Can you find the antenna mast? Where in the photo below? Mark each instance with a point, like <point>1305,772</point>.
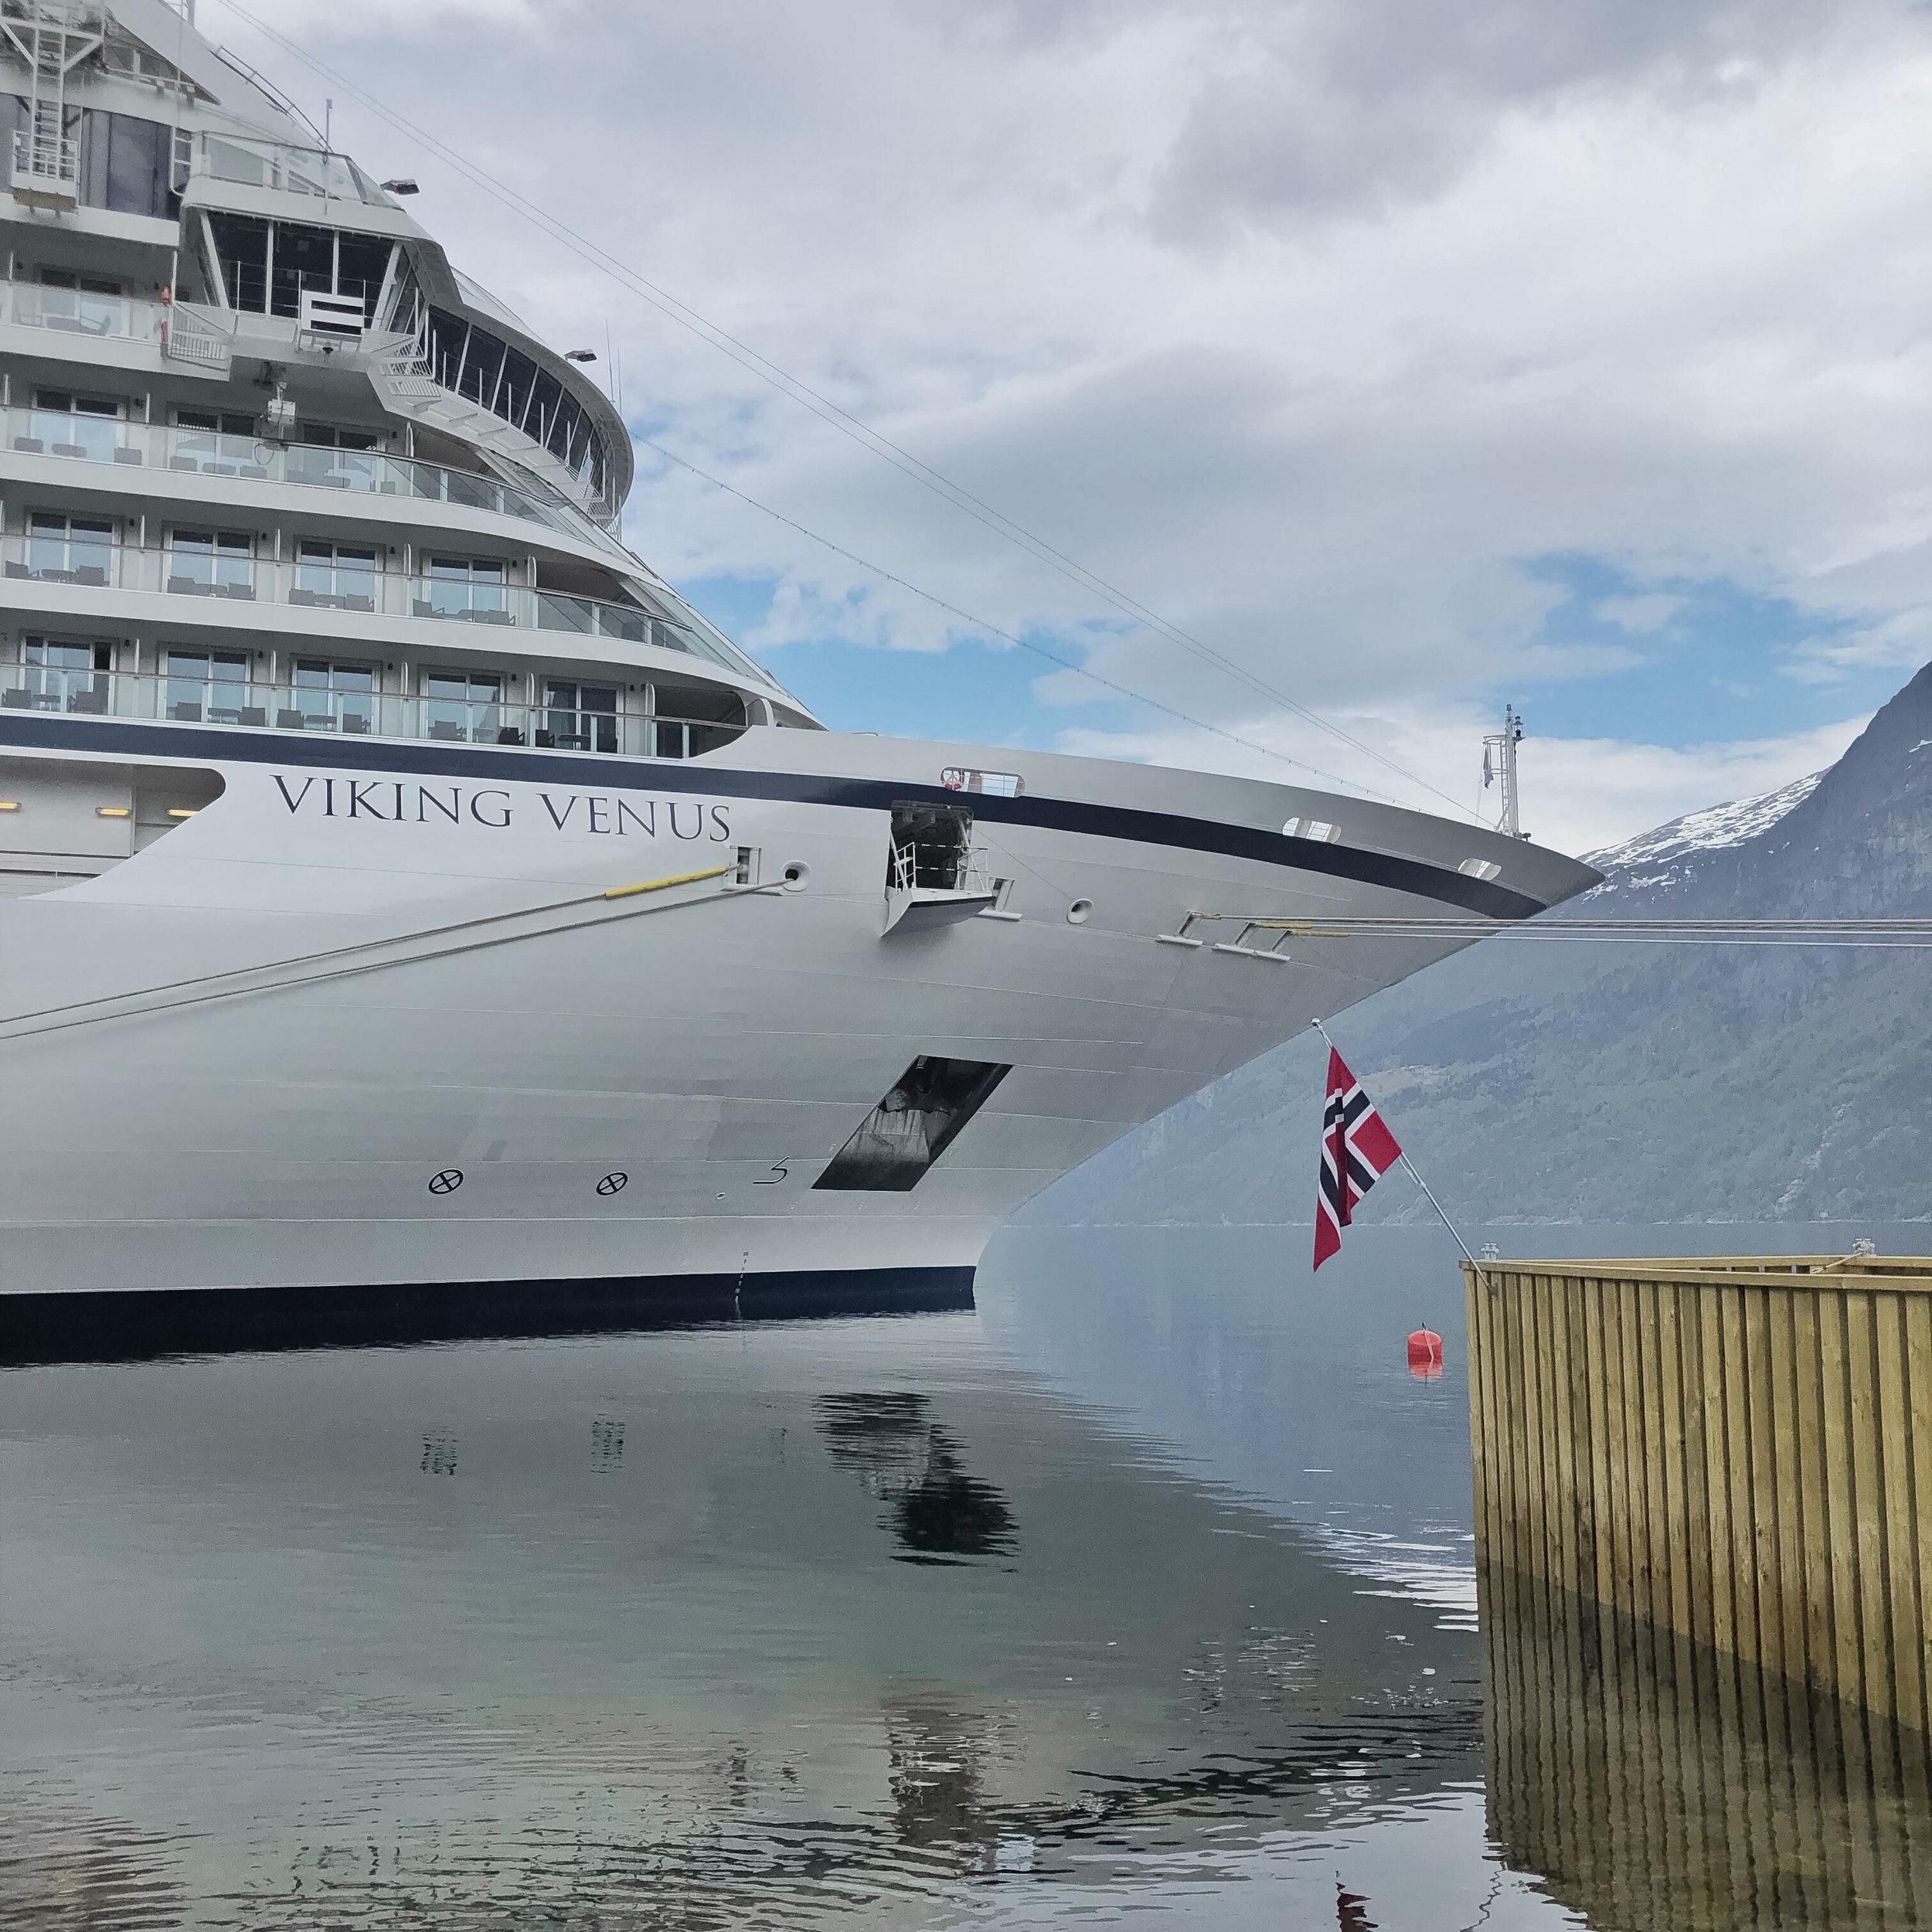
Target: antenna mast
<point>1499,763</point>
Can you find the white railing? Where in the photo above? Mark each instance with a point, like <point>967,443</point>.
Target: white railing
<point>969,873</point>
<point>255,704</point>
<point>289,170</point>
<point>46,164</point>
<point>330,585</point>
<point>360,472</point>
<point>79,311</point>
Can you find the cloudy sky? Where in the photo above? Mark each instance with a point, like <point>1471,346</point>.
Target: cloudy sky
<point>1408,358</point>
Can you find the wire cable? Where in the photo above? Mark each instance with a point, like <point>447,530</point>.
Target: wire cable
<point>993,629</point>
<point>847,424</point>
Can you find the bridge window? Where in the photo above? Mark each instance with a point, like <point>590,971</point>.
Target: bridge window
<point>265,265</point>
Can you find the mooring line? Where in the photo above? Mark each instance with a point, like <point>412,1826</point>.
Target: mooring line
<point>127,1006</point>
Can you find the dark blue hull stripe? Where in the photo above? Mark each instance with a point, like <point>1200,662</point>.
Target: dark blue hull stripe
<point>251,746</point>
<point>129,1325</point>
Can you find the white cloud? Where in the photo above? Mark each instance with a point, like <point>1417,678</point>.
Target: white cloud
<point>1579,794</point>
<point>1646,612</point>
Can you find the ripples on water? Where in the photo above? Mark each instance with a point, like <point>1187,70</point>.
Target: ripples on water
<point>1147,1589</point>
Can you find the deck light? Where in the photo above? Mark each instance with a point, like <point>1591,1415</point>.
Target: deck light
<point>402,186</point>
<point>182,811</point>
<point>113,811</point>
<point>580,355</point>
<point>9,804</point>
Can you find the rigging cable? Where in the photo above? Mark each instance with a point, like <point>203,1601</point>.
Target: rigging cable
<point>856,430</point>
<point>993,629</point>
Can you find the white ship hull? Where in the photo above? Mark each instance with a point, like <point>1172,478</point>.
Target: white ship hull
<point>190,1106</point>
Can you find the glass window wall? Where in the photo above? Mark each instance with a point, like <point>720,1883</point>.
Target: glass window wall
<point>464,707</point>
<point>472,588</point>
<point>330,696</point>
<point>337,576</point>
<point>211,563</point>
<point>68,425</point>
<point>68,549</point>
<point>210,687</point>
<point>61,674</point>
<point>579,717</point>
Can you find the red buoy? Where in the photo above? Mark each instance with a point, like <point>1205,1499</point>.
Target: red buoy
<point>1425,1354</point>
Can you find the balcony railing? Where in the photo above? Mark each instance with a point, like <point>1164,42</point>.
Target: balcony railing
<point>257,704</point>
<point>293,171</point>
<point>202,452</point>
<point>330,585</point>
<point>80,312</point>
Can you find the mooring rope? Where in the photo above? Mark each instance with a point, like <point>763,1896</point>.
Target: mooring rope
<point>347,962</point>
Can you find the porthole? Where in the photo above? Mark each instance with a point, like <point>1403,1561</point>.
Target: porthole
<point>796,876</point>
<point>1079,912</point>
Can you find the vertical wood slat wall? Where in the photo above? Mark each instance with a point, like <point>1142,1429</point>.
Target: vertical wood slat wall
<point>1736,1452</point>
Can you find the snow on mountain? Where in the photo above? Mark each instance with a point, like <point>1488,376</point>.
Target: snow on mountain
<point>1662,856</point>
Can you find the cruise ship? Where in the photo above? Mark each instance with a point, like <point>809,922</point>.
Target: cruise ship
<point>404,892</point>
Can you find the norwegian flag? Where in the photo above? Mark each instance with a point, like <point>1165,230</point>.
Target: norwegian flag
<point>1357,1150</point>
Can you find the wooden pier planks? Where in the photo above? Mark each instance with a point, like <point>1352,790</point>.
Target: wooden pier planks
<point>1735,1455</point>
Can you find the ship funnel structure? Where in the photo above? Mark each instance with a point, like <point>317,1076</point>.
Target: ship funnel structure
<point>53,37</point>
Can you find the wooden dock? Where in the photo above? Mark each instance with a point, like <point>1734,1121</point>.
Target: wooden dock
<point>1737,1453</point>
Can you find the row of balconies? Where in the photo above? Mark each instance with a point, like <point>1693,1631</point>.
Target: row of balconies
<point>175,448</point>
<point>570,718</point>
<point>195,569</point>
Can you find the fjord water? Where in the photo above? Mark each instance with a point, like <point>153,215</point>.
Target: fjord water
<point>1144,1591</point>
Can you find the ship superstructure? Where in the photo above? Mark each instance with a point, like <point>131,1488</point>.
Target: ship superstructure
<point>400,883</point>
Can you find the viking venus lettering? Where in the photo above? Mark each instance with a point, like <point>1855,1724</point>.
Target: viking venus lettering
<point>865,996</point>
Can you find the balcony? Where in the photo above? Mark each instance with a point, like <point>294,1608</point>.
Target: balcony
<point>257,704</point>
<point>288,170</point>
<point>306,584</point>
<point>202,452</point>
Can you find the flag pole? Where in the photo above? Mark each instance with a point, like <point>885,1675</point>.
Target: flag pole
<point>1428,1193</point>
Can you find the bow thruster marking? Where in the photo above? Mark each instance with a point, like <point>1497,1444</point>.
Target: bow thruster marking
<point>613,1184</point>
<point>447,1182</point>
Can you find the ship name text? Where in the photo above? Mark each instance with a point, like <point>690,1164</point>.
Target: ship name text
<point>399,802</point>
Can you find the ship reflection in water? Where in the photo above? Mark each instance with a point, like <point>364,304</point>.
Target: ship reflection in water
<point>1147,1589</point>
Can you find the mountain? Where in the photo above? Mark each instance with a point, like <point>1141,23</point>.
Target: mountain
<point>1535,1080</point>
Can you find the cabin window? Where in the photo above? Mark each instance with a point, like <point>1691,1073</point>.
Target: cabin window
<point>211,563</point>
<point>218,443</point>
<point>70,550</point>
<point>472,587</point>
<point>464,707</point>
<point>210,686</point>
<point>333,697</point>
<point>919,1118</point>
<point>322,436</point>
<point>336,577</point>
<point>62,674</point>
<point>65,424</point>
<point>579,717</point>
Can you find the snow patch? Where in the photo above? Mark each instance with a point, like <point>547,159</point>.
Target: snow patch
<point>1658,858</point>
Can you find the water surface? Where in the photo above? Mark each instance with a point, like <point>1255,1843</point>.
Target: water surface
<point>1143,1593</point>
